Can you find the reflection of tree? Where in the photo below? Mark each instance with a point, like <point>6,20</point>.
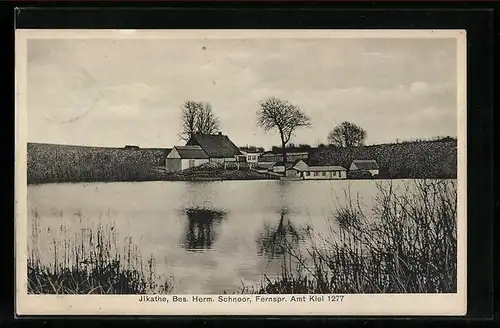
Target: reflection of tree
<point>200,232</point>
<point>276,241</point>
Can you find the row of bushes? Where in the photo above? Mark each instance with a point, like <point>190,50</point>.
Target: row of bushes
<point>216,172</point>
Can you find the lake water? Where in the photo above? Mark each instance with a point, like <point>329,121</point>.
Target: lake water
<point>209,237</point>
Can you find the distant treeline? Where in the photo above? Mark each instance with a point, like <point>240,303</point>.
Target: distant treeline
<point>61,163</point>
<point>412,159</point>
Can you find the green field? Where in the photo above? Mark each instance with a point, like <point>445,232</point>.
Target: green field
<point>407,160</point>
<point>60,163</point>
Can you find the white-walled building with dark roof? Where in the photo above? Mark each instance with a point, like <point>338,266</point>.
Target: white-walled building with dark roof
<point>184,157</point>
<point>369,165</point>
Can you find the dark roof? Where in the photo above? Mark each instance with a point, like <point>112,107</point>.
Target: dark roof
<point>288,153</point>
<point>252,149</point>
<point>215,145</point>
<point>370,164</point>
<point>191,152</point>
<point>323,168</point>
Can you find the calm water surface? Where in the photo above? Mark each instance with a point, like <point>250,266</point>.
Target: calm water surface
<point>209,237</point>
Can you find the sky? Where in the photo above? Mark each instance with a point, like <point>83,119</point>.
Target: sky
<point>105,92</point>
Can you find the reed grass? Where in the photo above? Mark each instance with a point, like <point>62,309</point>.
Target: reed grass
<point>89,261</point>
<point>407,244</point>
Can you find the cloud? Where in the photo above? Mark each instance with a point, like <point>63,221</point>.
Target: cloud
<point>130,91</point>
<point>418,86</point>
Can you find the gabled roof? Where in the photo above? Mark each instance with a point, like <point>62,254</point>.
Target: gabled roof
<point>215,145</point>
<point>290,164</point>
<point>299,160</point>
<point>191,152</point>
<point>323,168</point>
<point>369,164</point>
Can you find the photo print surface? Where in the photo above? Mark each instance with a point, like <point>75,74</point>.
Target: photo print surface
<point>239,166</point>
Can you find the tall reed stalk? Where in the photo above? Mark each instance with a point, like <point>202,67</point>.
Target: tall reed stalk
<point>88,261</point>
<point>407,244</point>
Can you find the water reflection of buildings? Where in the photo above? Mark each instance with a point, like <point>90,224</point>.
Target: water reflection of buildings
<point>201,228</point>
<point>278,240</point>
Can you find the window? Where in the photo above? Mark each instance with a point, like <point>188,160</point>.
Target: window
<point>191,163</point>
<point>323,173</point>
<point>334,173</point>
<point>308,173</point>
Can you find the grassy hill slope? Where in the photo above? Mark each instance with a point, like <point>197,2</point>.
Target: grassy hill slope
<point>419,159</point>
<point>62,163</point>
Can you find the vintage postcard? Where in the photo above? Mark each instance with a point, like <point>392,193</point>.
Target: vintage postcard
<point>240,172</point>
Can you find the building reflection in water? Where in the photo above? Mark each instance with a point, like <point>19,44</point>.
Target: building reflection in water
<point>280,239</point>
<point>201,228</point>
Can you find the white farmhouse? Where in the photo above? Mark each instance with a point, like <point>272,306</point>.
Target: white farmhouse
<point>184,157</point>
<point>251,155</point>
<point>370,166</point>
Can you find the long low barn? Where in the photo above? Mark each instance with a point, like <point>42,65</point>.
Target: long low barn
<point>300,169</point>
<point>324,172</point>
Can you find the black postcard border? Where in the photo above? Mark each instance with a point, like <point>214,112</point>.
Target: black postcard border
<point>478,22</point>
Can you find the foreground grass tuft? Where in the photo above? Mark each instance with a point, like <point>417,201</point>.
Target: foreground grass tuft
<point>91,262</point>
<point>408,244</point>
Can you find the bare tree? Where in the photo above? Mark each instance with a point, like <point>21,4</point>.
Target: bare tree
<point>281,115</point>
<point>206,122</point>
<point>347,134</point>
<point>197,117</point>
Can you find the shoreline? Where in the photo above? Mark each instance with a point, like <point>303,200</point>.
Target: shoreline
<point>237,179</point>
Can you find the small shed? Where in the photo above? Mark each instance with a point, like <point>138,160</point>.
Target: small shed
<point>296,169</point>
<point>369,165</point>
<point>184,157</point>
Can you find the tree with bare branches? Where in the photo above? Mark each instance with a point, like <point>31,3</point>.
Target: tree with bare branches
<point>197,117</point>
<point>283,116</point>
<point>346,135</point>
